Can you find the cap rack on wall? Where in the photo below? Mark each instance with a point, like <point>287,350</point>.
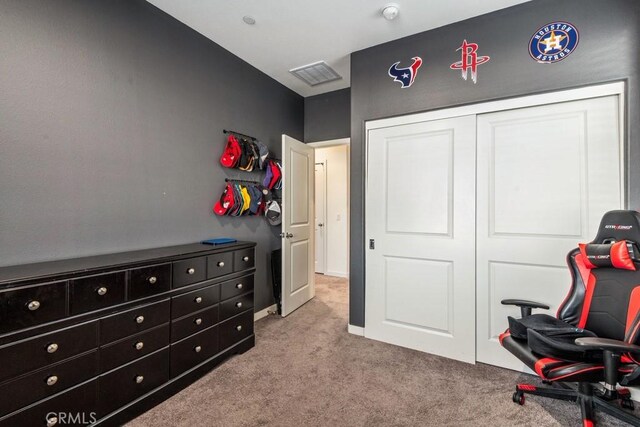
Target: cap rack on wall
<point>233,132</point>
<point>245,181</point>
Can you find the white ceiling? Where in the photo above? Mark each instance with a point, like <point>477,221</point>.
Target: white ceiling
<point>292,33</point>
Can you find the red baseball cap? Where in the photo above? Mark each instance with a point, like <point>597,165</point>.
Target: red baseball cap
<point>231,154</point>
<point>225,203</point>
<point>277,174</point>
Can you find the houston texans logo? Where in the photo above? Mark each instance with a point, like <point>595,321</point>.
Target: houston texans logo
<point>406,76</point>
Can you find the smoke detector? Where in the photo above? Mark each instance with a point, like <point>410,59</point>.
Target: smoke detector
<point>390,11</point>
<point>316,73</point>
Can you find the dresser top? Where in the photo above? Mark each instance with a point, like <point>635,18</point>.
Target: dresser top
<point>98,263</point>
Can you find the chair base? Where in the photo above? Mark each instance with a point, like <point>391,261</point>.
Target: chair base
<point>587,398</point>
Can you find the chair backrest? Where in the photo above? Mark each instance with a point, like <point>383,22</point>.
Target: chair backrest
<point>605,292</point>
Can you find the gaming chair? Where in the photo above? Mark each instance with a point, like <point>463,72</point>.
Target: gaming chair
<point>595,335</point>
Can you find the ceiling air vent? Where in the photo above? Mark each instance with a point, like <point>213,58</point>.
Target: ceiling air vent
<point>316,73</point>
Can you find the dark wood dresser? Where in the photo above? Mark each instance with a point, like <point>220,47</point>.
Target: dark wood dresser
<point>99,340</point>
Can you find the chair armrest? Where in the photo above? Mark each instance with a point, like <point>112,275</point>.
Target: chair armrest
<point>525,306</point>
<point>607,344</point>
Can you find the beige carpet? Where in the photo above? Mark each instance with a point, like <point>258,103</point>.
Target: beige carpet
<point>306,370</point>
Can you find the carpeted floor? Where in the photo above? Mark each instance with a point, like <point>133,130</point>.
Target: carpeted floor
<point>306,370</point>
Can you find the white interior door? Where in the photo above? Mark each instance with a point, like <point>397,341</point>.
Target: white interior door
<point>320,221</point>
<point>298,214</point>
<point>420,215</point>
<point>545,177</point>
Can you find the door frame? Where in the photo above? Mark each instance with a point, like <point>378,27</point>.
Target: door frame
<point>594,91</point>
<point>327,144</point>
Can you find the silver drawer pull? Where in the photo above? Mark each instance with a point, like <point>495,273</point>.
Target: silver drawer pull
<point>239,286</point>
<point>52,348</point>
<point>191,271</point>
<point>139,379</point>
<point>245,259</point>
<point>33,305</point>
<point>197,349</point>
<point>51,421</point>
<point>239,328</point>
<point>102,291</point>
<point>198,300</point>
<point>139,319</point>
<point>139,345</point>
<point>152,280</point>
<point>221,264</point>
<point>52,380</point>
<point>198,321</point>
<point>238,304</point>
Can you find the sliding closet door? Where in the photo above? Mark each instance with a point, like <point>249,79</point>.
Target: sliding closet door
<point>545,177</point>
<point>420,225</point>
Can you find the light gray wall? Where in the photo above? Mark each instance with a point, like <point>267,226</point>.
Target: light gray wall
<point>111,131</point>
<point>608,51</point>
<point>327,116</point>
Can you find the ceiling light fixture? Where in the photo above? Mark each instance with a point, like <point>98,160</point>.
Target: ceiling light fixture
<point>248,20</point>
<point>390,11</point>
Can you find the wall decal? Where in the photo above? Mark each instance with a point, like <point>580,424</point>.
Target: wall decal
<point>469,60</point>
<point>406,76</point>
<point>553,42</point>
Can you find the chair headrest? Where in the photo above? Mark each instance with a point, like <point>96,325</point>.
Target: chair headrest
<point>619,225</point>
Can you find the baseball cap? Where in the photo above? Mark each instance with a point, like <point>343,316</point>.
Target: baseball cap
<point>268,176</point>
<point>256,199</point>
<point>231,153</point>
<point>225,203</point>
<point>263,152</point>
<point>273,213</point>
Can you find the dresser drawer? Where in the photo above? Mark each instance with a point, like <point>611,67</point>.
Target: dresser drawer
<point>189,271</point>
<point>133,321</point>
<point>47,382</point>
<point>219,264</point>
<point>236,287</point>
<point>147,281</point>
<point>133,347</point>
<point>43,350</point>
<point>32,305</point>
<point>79,402</point>
<point>195,300</point>
<point>192,323</point>
<point>244,259</point>
<point>133,380</point>
<point>235,329</point>
<point>96,292</point>
<point>194,350</point>
<point>235,305</point>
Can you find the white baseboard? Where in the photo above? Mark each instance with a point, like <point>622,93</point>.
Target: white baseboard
<point>264,313</point>
<point>355,330</point>
<point>337,274</point>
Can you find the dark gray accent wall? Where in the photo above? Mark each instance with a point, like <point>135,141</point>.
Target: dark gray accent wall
<point>608,51</point>
<point>111,131</point>
<point>327,116</point>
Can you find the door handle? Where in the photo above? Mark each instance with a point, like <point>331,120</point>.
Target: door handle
<point>321,225</point>
<point>289,235</point>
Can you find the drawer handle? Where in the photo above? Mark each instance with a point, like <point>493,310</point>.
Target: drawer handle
<point>238,304</point>
<point>33,305</point>
<point>152,280</point>
<point>198,300</point>
<point>239,286</point>
<point>52,380</point>
<point>197,349</point>
<point>239,328</point>
<point>52,348</point>
<point>51,421</point>
<point>191,271</point>
<point>139,345</point>
<point>198,321</point>
<point>102,291</point>
<point>221,264</point>
<point>245,259</point>
<point>139,379</point>
<point>139,319</point>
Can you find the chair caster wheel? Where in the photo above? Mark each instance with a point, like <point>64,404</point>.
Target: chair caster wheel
<point>627,404</point>
<point>518,397</point>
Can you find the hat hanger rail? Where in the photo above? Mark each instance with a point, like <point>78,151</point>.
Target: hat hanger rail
<point>227,132</point>
<point>246,181</point>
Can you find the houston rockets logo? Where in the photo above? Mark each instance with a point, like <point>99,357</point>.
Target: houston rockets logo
<point>406,76</point>
<point>469,61</point>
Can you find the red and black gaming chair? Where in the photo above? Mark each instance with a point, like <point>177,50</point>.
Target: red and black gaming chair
<point>595,335</point>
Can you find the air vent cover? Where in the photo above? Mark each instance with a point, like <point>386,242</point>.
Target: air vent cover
<point>316,73</point>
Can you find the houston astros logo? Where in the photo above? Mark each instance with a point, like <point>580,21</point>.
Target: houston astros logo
<point>553,42</point>
<point>469,61</point>
<point>406,76</point>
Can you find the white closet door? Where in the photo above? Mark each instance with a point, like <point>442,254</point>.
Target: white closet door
<point>545,177</point>
<point>420,214</point>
